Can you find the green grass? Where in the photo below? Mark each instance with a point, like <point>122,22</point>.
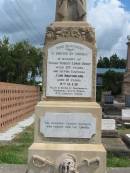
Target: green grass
<point>114,161</point>
<point>17,151</point>
<point>123,130</point>
<point>13,154</point>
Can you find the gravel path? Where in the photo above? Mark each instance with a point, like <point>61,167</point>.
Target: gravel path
<point>10,134</point>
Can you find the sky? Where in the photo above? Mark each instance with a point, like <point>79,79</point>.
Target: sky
<point>28,19</point>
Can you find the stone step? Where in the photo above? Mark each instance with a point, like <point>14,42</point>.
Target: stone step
<point>5,168</point>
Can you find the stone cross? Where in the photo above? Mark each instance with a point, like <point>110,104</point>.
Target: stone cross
<point>128,54</point>
<point>70,10</point>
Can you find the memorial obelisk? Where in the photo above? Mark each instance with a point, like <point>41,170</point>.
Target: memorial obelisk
<point>126,82</point>
<point>68,120</point>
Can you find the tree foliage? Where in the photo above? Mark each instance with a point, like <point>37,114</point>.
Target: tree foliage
<point>18,61</point>
<point>113,62</point>
<point>112,81</point>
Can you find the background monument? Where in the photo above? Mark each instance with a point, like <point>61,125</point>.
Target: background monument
<point>126,82</point>
<point>68,120</point>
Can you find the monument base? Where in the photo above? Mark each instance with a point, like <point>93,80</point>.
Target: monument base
<point>81,158</point>
<point>58,111</point>
<point>77,148</point>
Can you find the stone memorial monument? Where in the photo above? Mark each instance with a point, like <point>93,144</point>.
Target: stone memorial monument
<point>71,10</point>
<point>68,120</point>
<point>126,83</point>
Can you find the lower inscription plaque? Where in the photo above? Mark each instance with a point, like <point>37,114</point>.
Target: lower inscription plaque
<point>68,125</point>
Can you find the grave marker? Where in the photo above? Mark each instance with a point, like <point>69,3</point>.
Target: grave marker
<point>68,120</point>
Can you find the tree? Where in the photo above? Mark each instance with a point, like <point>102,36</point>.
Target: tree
<point>123,63</point>
<point>112,81</point>
<point>103,62</point>
<point>113,62</point>
<point>6,61</point>
<point>18,61</point>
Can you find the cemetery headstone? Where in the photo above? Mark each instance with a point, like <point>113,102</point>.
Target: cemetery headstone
<point>107,98</point>
<point>127,101</point>
<point>68,120</point>
<point>126,114</point>
<point>108,124</point>
<point>126,124</point>
<point>109,128</point>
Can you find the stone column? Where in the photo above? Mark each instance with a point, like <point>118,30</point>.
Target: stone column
<point>126,82</point>
<point>128,54</point>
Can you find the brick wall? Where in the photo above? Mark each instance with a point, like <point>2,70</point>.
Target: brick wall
<point>16,102</point>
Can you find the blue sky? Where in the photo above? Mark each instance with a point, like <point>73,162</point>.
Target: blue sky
<point>126,4</point>
<point>28,19</point>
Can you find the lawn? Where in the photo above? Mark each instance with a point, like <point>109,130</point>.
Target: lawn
<point>16,152</point>
<point>123,130</point>
<point>114,161</point>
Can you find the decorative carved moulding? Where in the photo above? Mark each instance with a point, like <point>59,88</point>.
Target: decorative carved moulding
<point>67,163</point>
<point>75,31</point>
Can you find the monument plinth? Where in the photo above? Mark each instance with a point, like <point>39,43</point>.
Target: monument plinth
<point>68,120</point>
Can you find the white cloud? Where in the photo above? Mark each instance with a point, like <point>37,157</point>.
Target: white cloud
<point>28,19</point>
<point>25,19</point>
<point>112,25</point>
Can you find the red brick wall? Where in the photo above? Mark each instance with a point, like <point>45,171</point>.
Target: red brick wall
<point>16,102</point>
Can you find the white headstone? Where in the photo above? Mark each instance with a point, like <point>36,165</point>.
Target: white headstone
<point>128,135</point>
<point>68,125</point>
<point>69,70</point>
<point>125,114</point>
<point>108,124</point>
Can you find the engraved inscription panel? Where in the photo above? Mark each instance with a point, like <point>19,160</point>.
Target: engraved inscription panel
<point>68,125</point>
<point>69,70</point>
